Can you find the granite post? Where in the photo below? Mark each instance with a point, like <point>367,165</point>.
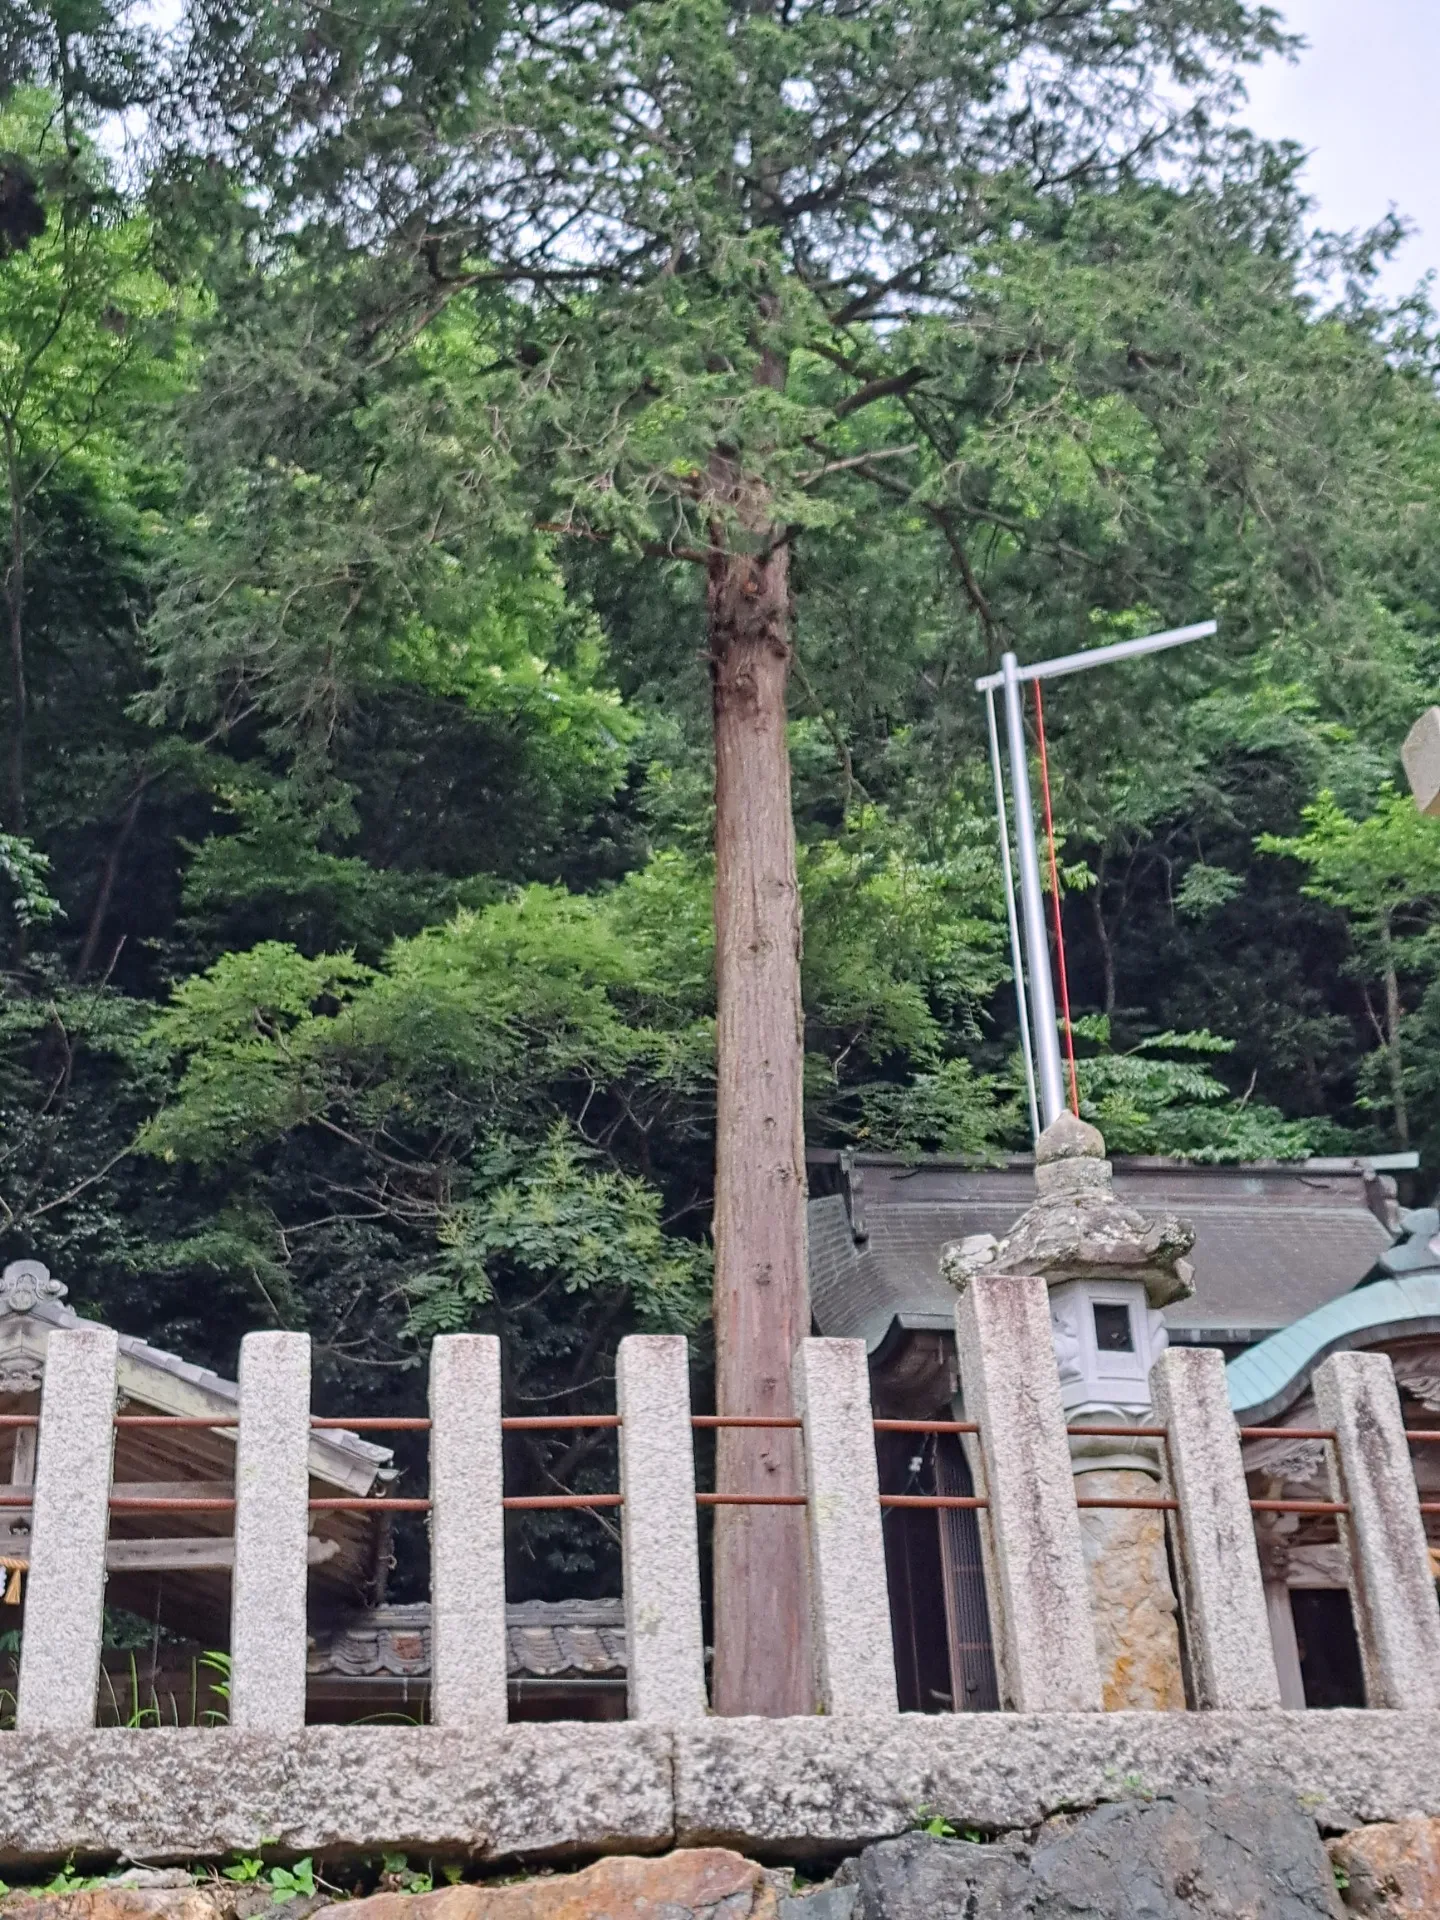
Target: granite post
<point>467,1534</point>
<point>1035,1566</point>
<point>664,1637</point>
<point>272,1524</point>
<point>1227,1626</point>
<point>1109,1271</point>
<point>70,1522</point>
<point>1392,1588</point>
<point>854,1651</point>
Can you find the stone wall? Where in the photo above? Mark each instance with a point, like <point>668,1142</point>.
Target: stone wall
<point>778,1789</point>
<point>1250,1852</point>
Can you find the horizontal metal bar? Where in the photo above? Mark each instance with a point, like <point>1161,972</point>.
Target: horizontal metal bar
<point>372,1504</point>
<point>1287,1433</point>
<point>532,1422</point>
<point>1430,1506</point>
<point>529,1501</point>
<point>750,1500</point>
<point>379,1423</point>
<point>968,1500</point>
<point>1118,1433</point>
<point>1156,1505</point>
<point>121,1504</point>
<point>926,1426</point>
<point>1069,663</point>
<point>1299,1506</point>
<point>1423,1433</point>
<point>19,1419</point>
<point>741,1420</point>
<point>177,1420</point>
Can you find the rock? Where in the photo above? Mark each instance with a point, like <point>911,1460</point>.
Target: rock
<point>918,1877</point>
<point>1392,1870</point>
<point>830,1902</point>
<point>698,1883</point>
<point>1248,1856</point>
<point>1193,1856</point>
<point>158,1893</point>
<point>151,1877</point>
<point>117,1903</point>
<point>1136,1637</point>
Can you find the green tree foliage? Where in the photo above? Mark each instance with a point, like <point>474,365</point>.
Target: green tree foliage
<point>1383,873</point>
<point>357,902</point>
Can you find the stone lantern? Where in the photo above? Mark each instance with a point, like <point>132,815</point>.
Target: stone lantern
<point>1110,1270</point>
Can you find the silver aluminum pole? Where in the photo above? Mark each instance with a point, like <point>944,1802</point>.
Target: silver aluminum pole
<point>1104,656</point>
<point>1037,945</point>
<point>1016,962</point>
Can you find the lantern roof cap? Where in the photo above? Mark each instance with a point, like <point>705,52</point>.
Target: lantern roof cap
<point>1077,1228</point>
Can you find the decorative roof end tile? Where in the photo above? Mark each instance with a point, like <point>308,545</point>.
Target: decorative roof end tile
<point>25,1283</point>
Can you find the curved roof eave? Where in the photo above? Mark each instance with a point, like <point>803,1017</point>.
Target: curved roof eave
<point>1272,1375</point>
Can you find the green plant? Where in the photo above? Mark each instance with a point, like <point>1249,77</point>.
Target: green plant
<point>397,1872</point>
<point>219,1663</point>
<point>297,1882</point>
<point>939,1828</point>
<point>68,1881</point>
<point>248,1867</point>
<point>285,1883</point>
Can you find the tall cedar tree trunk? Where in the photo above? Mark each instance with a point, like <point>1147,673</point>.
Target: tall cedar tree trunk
<point>1395,1062</point>
<point>762,1301</point>
<point>15,610</point>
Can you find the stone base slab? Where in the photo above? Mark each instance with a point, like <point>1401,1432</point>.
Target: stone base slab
<point>159,1794</point>
<point>779,1789</point>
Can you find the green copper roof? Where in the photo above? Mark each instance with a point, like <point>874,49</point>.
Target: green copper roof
<point>1265,1379</point>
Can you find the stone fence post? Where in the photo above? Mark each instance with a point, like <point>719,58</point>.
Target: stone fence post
<point>1392,1589</point>
<point>468,1681</point>
<point>70,1523</point>
<point>1222,1595</point>
<point>849,1593</point>
<point>664,1638</point>
<point>272,1525</point>
<point>1035,1560</point>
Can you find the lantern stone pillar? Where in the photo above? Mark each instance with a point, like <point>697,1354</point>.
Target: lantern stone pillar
<point>1110,1271</point>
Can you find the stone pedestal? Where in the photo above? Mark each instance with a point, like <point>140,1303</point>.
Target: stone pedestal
<point>1137,1639</point>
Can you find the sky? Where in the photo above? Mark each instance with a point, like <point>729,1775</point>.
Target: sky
<point>1362,101</point>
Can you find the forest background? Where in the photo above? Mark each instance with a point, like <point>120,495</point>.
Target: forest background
<point>357,792</point>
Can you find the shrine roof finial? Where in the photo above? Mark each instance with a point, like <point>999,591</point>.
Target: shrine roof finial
<point>25,1283</point>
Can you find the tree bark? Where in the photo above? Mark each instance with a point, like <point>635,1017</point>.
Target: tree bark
<point>762,1305</point>
<point>109,873</point>
<point>15,610</point>
<point>1107,946</point>
<point>1392,1038</point>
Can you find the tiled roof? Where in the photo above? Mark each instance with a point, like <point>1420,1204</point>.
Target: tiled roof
<point>544,1640</point>
<point>1272,1242</point>
<point>28,1313</point>
<point>1273,1374</point>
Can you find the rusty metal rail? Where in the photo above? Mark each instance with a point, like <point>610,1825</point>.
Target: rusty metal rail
<point>523,1423</point>
<point>969,1501</point>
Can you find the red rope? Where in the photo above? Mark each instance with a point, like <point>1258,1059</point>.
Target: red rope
<point>1055,902</point>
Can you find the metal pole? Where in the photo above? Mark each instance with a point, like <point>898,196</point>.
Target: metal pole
<point>1103,656</point>
<point>1037,946</point>
<point>1016,962</point>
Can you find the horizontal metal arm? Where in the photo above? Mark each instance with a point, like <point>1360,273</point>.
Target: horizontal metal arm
<point>1101,656</point>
